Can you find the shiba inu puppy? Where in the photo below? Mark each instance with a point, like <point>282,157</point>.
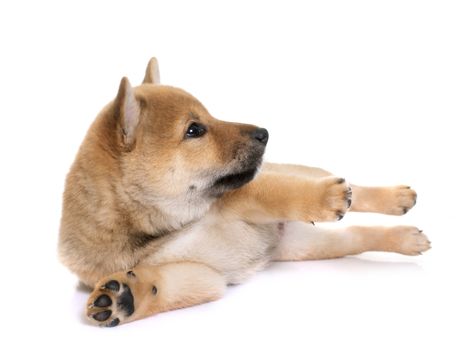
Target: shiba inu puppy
<point>165,206</point>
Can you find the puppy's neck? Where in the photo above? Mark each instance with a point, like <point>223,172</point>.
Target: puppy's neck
<point>149,212</point>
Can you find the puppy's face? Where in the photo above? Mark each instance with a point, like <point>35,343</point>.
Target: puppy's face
<point>173,154</point>
<point>180,149</point>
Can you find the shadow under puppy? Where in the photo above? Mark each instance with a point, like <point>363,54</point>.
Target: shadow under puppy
<point>164,206</point>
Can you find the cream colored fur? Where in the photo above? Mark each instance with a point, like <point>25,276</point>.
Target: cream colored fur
<point>157,217</point>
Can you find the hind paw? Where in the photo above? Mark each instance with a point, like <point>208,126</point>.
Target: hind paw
<point>112,301</point>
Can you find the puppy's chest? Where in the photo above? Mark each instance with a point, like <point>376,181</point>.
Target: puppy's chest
<point>233,247</point>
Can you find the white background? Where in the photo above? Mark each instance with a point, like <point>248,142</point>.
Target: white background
<point>381,92</point>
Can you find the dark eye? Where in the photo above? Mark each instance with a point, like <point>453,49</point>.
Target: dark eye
<point>195,130</point>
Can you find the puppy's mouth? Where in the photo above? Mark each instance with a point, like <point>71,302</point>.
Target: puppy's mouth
<point>246,165</point>
<point>236,180</point>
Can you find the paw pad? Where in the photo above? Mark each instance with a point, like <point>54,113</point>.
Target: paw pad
<point>102,316</point>
<point>111,303</point>
<point>112,285</point>
<point>103,301</point>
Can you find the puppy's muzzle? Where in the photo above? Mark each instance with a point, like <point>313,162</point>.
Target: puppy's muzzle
<point>261,135</point>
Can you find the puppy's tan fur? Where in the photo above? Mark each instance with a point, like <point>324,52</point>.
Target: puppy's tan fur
<point>154,220</point>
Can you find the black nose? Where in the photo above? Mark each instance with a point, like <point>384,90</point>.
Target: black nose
<point>261,135</point>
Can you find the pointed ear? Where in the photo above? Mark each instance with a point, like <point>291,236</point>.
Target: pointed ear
<point>152,75</point>
<point>127,112</point>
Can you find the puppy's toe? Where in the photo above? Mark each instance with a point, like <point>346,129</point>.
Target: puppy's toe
<point>404,198</point>
<point>336,201</point>
<point>411,241</point>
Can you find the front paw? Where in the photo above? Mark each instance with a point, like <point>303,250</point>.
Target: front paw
<point>335,199</point>
<point>399,200</point>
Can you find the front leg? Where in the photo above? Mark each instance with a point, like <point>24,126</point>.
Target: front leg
<point>279,197</point>
<point>397,200</point>
<point>392,200</point>
<point>146,290</point>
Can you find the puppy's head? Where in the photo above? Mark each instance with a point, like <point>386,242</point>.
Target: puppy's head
<point>170,147</point>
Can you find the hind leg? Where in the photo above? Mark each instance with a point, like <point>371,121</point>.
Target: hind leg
<point>301,241</point>
<point>146,290</point>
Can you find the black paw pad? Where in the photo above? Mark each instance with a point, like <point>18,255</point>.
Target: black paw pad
<point>154,290</point>
<point>349,202</point>
<point>340,215</point>
<point>103,301</point>
<point>126,300</point>
<point>113,323</point>
<point>405,210</point>
<point>341,180</point>
<point>102,316</point>
<point>112,285</point>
